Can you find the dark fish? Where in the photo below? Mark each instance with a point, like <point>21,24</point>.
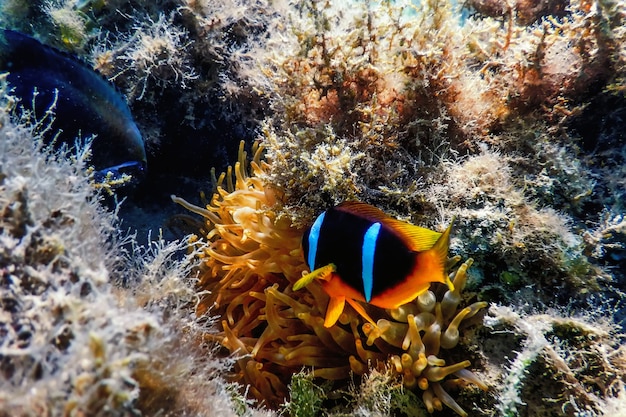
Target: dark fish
<point>361,254</point>
<point>86,104</point>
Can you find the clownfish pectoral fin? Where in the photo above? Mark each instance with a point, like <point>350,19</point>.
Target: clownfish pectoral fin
<point>320,273</point>
<point>334,310</point>
<point>359,309</point>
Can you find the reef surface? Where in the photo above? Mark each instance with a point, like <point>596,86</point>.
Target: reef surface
<point>507,116</point>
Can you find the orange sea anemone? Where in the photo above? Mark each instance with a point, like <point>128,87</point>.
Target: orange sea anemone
<point>250,262</point>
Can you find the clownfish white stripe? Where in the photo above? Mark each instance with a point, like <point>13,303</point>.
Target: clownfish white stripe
<point>314,236</point>
<point>369,249</point>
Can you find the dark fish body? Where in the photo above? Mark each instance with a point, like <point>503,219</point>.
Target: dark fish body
<point>361,254</point>
<point>86,103</point>
<point>350,241</point>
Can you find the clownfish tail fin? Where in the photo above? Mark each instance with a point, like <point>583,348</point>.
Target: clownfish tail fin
<point>440,251</point>
<point>320,273</point>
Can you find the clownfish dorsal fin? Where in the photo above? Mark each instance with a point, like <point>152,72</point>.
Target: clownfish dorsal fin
<point>417,239</point>
<point>364,210</point>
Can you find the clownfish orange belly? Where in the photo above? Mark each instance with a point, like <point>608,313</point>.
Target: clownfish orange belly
<point>361,254</point>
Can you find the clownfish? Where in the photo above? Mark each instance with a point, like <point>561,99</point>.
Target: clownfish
<point>361,254</point>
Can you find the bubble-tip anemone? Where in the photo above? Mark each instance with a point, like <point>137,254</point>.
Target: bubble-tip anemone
<point>251,259</point>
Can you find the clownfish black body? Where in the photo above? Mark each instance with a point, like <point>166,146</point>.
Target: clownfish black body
<point>361,254</point>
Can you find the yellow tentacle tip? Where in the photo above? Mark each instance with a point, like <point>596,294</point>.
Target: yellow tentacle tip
<point>449,283</point>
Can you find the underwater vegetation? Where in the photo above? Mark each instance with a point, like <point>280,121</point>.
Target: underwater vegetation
<point>72,103</point>
<point>505,116</point>
<point>578,360</point>
<point>429,117</point>
<point>73,341</point>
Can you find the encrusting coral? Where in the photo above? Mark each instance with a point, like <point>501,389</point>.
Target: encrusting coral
<point>249,264</point>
